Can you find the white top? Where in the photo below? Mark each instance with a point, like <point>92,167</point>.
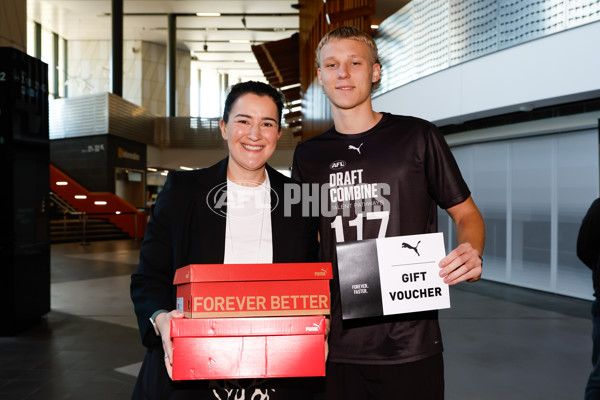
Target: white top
<point>248,235</point>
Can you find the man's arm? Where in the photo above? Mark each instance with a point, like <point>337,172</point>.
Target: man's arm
<point>589,236</point>
<point>464,262</point>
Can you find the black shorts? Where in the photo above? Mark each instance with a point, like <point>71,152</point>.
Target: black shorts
<point>419,380</point>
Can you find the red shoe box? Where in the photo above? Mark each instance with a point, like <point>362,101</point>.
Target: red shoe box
<point>253,290</point>
<point>232,348</point>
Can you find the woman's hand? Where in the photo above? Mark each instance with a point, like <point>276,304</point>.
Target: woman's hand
<point>327,329</point>
<point>163,324</point>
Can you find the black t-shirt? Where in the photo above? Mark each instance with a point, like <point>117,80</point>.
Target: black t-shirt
<point>384,182</point>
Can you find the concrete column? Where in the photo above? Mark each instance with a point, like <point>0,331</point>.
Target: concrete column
<point>172,66</point>
<point>225,90</point>
<point>116,73</point>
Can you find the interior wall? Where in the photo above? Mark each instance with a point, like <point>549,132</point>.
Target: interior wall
<point>132,191</point>
<point>154,79</point>
<point>84,159</point>
<point>555,69</point>
<point>144,73</point>
<point>533,191</point>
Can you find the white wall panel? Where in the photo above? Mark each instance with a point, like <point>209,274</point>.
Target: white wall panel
<point>556,68</point>
<point>533,193</point>
<point>577,183</point>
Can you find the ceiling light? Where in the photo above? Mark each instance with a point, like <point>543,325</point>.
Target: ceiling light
<point>151,169</point>
<point>100,203</point>
<point>526,107</point>
<point>289,86</point>
<point>62,183</point>
<point>208,14</point>
<point>239,41</point>
<point>185,168</point>
<point>374,26</point>
<point>80,196</point>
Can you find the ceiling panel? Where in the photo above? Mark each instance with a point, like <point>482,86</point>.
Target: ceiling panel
<point>207,38</point>
<point>254,21</point>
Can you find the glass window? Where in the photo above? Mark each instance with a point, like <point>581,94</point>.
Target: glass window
<point>530,177</point>
<point>577,181</point>
<point>533,193</point>
<point>489,190</point>
<point>48,56</point>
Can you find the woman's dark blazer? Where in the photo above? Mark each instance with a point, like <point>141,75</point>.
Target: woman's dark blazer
<point>184,230</point>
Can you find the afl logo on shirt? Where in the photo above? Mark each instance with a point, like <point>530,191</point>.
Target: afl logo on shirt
<point>339,164</point>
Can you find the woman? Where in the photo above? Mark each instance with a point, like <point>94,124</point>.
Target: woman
<point>193,223</point>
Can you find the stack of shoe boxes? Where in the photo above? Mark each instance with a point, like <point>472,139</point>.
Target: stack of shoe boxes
<point>251,320</point>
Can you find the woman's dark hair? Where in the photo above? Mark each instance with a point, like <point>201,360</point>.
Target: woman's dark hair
<point>254,87</point>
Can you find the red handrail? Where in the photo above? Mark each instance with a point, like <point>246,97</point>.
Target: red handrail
<point>97,204</point>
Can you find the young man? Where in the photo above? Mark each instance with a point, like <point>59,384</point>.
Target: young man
<point>397,357</point>
<point>589,253</point>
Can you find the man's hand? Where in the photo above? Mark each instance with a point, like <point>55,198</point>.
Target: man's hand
<point>163,324</point>
<point>461,264</point>
<point>464,263</point>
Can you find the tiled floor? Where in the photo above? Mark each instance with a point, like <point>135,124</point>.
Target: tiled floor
<point>501,342</point>
<point>89,346</point>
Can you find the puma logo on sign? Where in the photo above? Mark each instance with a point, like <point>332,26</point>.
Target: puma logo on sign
<point>408,246</point>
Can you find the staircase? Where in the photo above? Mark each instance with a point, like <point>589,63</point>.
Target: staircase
<point>69,225</point>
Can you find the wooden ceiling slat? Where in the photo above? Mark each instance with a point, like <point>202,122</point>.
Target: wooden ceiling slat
<point>292,93</point>
<point>280,63</point>
<point>293,115</point>
<point>350,13</point>
<point>279,60</point>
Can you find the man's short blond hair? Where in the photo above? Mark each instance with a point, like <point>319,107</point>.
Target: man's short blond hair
<point>349,32</point>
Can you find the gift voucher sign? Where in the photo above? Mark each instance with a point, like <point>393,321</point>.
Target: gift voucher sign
<point>393,275</point>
